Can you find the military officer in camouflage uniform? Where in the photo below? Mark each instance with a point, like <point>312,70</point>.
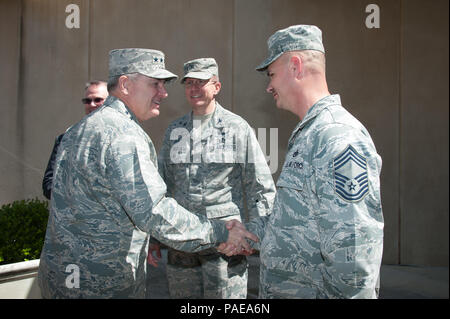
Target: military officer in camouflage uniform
<point>210,160</point>
<point>108,196</point>
<point>324,238</point>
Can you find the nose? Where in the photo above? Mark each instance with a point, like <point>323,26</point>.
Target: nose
<point>194,89</point>
<point>163,92</point>
<point>269,89</point>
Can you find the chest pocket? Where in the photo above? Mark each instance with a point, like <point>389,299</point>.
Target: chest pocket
<point>296,180</point>
<point>295,185</point>
<point>293,202</point>
<point>219,148</point>
<point>291,188</point>
<point>295,175</point>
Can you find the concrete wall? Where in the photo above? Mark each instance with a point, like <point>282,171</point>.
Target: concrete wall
<point>394,79</point>
<point>19,280</point>
<point>423,155</point>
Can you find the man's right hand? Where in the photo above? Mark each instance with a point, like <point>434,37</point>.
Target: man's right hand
<point>237,240</point>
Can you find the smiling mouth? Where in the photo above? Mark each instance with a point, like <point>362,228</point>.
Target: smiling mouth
<point>156,104</point>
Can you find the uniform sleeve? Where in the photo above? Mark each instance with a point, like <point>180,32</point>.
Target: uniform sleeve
<point>164,156</point>
<point>258,186</point>
<point>257,226</point>
<point>48,175</point>
<point>257,179</point>
<point>350,221</point>
<point>140,191</point>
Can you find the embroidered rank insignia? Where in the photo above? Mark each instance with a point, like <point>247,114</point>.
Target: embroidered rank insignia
<point>350,175</point>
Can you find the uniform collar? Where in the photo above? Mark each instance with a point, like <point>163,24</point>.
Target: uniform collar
<point>315,110</point>
<point>217,117</point>
<point>117,104</point>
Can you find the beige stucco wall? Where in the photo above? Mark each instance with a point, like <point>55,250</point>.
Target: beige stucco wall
<point>394,79</point>
<point>424,130</point>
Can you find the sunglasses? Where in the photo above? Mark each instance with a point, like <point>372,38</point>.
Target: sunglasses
<point>88,101</point>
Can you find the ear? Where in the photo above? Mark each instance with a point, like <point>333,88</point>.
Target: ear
<point>123,84</point>
<point>296,66</point>
<point>217,86</point>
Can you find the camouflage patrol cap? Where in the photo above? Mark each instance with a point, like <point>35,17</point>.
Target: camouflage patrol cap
<point>203,69</point>
<point>134,60</point>
<point>293,38</point>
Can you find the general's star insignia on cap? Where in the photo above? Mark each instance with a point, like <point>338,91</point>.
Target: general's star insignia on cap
<point>350,175</point>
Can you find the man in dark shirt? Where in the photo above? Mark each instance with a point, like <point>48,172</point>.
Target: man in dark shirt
<point>95,94</point>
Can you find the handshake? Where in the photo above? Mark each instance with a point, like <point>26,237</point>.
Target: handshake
<point>237,243</point>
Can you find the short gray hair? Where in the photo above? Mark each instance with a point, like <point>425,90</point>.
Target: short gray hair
<point>114,80</point>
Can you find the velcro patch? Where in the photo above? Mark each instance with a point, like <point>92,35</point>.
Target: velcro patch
<point>350,175</point>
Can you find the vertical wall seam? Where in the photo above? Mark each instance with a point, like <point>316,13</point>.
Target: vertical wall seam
<point>20,133</point>
<point>400,129</point>
<point>89,8</point>
<point>233,46</point>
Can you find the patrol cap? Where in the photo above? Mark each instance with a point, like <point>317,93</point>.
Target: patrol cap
<point>293,38</point>
<point>203,69</point>
<point>134,60</point>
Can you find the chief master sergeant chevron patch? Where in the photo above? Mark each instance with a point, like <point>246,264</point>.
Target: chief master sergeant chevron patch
<point>350,175</point>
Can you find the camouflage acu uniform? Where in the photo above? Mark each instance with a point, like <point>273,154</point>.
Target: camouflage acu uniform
<point>107,198</point>
<point>210,172</point>
<point>324,238</point>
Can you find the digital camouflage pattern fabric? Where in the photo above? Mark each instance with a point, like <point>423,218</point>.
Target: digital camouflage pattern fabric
<point>148,62</point>
<point>203,68</point>
<point>324,238</point>
<point>208,171</point>
<point>214,170</point>
<point>293,38</point>
<point>216,277</point>
<point>107,198</point>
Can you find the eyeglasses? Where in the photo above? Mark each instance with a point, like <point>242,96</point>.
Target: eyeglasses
<point>89,101</point>
<point>197,83</point>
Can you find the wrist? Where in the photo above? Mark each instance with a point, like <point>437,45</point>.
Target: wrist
<point>220,231</point>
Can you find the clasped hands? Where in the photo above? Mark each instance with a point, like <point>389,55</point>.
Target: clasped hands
<point>236,244</point>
